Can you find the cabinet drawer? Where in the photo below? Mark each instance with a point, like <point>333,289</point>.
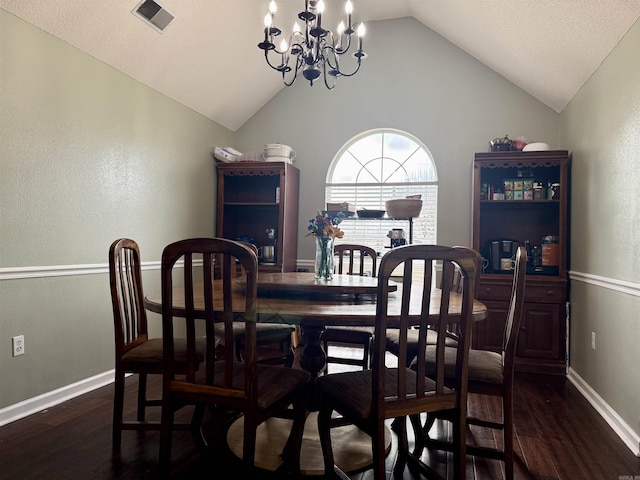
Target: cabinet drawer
<point>545,294</point>
<point>501,292</point>
<point>495,292</point>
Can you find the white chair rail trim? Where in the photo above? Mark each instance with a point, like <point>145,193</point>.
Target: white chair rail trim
<point>605,282</point>
<point>20,273</point>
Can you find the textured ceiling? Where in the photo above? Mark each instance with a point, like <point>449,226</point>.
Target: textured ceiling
<point>548,48</point>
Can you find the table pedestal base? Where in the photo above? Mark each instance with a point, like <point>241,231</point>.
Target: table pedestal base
<point>351,446</point>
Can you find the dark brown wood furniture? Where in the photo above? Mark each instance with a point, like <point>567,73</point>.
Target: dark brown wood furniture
<point>542,338</point>
<point>257,391</point>
<point>135,352</point>
<point>367,398</point>
<point>255,198</point>
<point>491,373</point>
<point>350,256</point>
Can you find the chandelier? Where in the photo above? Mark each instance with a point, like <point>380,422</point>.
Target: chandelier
<point>314,51</point>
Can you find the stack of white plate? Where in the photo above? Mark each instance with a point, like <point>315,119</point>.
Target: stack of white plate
<point>536,147</point>
<point>276,152</point>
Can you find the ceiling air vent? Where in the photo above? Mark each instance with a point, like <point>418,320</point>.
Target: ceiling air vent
<point>152,13</point>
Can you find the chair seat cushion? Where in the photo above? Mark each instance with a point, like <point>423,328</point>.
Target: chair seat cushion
<point>393,341</point>
<point>266,333</point>
<point>274,382</point>
<point>350,392</point>
<point>348,334</point>
<point>484,366</point>
<point>151,351</point>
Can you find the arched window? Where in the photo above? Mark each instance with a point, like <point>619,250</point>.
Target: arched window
<point>380,165</point>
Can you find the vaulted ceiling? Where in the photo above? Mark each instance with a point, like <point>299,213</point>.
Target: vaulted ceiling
<point>548,48</point>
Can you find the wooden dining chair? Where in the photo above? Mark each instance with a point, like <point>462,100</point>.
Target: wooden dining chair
<point>369,397</point>
<point>352,260</point>
<point>135,352</point>
<point>256,391</point>
<point>490,373</point>
<point>268,335</point>
<point>452,332</point>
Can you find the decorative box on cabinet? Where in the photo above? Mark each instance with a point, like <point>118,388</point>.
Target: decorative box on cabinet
<point>254,198</point>
<point>542,337</point>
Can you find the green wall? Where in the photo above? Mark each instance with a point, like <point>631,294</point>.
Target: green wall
<point>601,126</point>
<point>87,155</point>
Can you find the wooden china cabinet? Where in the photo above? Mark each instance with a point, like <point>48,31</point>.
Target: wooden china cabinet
<point>258,202</point>
<point>522,198</point>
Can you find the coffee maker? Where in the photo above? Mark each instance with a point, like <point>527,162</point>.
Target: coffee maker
<point>502,255</point>
<point>397,237</point>
<point>267,252</point>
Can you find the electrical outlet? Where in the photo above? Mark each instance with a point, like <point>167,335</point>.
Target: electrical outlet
<point>593,340</point>
<point>18,345</point>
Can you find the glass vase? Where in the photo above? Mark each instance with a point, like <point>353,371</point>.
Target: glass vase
<point>324,258</point>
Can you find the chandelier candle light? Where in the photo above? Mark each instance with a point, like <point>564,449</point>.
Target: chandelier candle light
<point>315,51</point>
<point>324,228</point>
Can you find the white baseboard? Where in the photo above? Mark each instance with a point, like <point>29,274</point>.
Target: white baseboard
<point>622,429</point>
<point>46,400</point>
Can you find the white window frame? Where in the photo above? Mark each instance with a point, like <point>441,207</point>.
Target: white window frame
<point>373,193</point>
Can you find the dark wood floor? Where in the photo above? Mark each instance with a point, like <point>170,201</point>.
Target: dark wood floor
<point>558,436</point>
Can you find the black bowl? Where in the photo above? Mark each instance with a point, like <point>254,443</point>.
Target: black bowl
<point>370,213</point>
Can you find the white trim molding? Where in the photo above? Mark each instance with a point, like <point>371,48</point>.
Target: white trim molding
<point>622,429</point>
<point>19,273</point>
<point>49,399</point>
<point>605,282</point>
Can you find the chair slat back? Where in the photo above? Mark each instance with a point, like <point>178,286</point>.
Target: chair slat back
<point>402,391</point>
<point>348,253</point>
<point>127,297</point>
<point>209,277</point>
<point>516,307</point>
<point>457,281</point>
<point>456,284</point>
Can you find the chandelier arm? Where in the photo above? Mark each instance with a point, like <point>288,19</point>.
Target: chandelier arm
<point>279,67</point>
<point>341,51</point>
<point>331,53</point>
<point>359,55</point>
<point>326,83</point>
<point>342,74</point>
<point>284,80</point>
<point>299,63</point>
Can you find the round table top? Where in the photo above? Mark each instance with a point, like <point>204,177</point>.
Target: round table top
<point>325,306</point>
<point>307,283</point>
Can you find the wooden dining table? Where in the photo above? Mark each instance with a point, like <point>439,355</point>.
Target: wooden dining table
<point>298,298</point>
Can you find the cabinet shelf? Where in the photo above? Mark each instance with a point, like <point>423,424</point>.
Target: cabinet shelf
<point>524,202</point>
<point>385,219</point>
<point>251,204</point>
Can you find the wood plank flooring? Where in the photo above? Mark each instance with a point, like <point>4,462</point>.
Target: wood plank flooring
<point>558,436</point>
